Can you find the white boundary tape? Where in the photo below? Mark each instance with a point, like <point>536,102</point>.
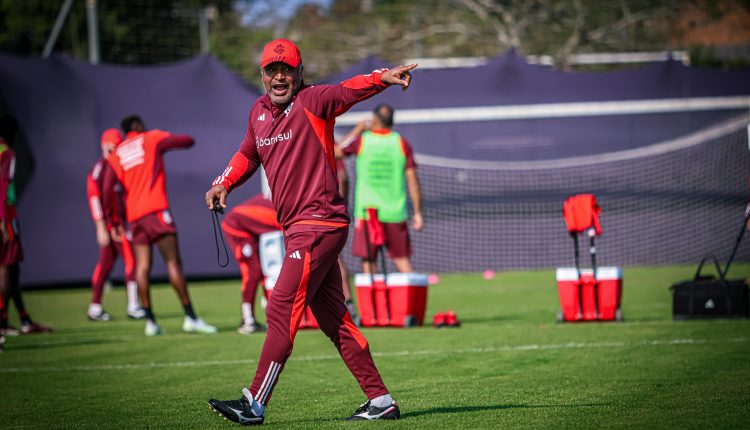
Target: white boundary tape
<point>555,110</point>
<point>489,349</point>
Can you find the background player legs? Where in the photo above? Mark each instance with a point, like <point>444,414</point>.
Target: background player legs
<point>346,288</point>
<point>167,246</point>
<point>142,255</point>
<point>27,325</point>
<point>367,266</point>
<point>4,296</point>
<point>101,274</point>
<point>403,264</point>
<point>251,277</point>
<point>328,307</point>
<point>170,253</point>
<point>134,307</point>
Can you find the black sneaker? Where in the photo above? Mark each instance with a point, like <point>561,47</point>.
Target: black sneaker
<point>239,411</point>
<point>370,412</point>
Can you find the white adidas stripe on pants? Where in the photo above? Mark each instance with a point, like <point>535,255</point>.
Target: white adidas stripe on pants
<point>268,382</point>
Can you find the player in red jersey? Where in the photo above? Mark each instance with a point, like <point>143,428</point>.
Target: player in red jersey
<point>290,132</point>
<point>138,165</point>
<point>109,247</point>
<point>11,253</point>
<point>243,226</point>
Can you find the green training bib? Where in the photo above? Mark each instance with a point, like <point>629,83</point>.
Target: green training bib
<point>380,177</point>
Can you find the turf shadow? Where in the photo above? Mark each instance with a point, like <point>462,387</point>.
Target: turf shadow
<point>465,409</point>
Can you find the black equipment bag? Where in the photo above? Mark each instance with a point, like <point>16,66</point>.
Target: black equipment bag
<point>709,297</point>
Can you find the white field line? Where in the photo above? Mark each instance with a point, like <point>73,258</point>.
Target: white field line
<point>489,349</point>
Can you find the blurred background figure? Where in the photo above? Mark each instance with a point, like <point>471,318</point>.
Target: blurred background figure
<point>385,170</point>
<point>11,253</point>
<point>138,165</point>
<point>109,247</point>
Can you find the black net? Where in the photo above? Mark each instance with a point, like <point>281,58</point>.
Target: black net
<point>668,203</point>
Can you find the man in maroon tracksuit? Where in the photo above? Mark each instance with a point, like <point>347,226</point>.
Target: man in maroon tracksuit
<point>290,132</point>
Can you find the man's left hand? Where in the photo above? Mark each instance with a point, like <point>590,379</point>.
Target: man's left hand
<point>417,223</point>
<point>398,76</point>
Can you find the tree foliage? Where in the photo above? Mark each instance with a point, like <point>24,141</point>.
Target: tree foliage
<point>344,31</point>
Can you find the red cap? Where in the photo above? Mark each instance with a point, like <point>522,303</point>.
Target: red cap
<point>111,136</point>
<point>283,50</point>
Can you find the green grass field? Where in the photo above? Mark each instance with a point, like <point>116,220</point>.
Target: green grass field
<point>509,366</point>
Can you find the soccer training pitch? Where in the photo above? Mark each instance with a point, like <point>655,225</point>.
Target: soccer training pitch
<point>510,365</point>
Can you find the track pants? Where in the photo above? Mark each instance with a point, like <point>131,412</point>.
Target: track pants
<point>107,256</point>
<point>245,249</point>
<point>310,276</point>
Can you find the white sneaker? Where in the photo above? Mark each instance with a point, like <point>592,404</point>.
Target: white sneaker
<point>9,331</point>
<point>97,313</point>
<point>197,325</point>
<point>136,314</point>
<point>152,328</point>
<point>250,328</point>
<point>2,342</point>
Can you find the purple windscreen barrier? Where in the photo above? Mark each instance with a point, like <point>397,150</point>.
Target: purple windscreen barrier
<point>668,203</point>
<point>64,105</point>
<point>479,215</point>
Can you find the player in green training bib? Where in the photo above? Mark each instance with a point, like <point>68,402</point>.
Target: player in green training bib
<point>385,171</point>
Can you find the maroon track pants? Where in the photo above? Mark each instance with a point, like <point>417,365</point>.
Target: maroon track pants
<point>246,251</point>
<point>310,276</point>
<point>107,256</point>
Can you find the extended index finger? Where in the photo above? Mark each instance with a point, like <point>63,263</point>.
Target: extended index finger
<point>407,67</point>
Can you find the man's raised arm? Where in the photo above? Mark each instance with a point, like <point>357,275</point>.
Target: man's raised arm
<point>175,141</point>
<point>334,100</point>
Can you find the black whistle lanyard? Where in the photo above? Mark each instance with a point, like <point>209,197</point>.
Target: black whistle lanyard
<point>217,226</point>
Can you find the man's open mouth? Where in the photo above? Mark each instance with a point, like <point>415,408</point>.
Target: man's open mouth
<point>279,89</point>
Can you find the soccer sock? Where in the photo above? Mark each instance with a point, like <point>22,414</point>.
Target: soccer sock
<point>247,313</point>
<point>257,408</point>
<point>149,314</point>
<point>189,311</point>
<point>383,401</point>
<point>15,293</point>
<point>95,309</point>
<point>132,292</point>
